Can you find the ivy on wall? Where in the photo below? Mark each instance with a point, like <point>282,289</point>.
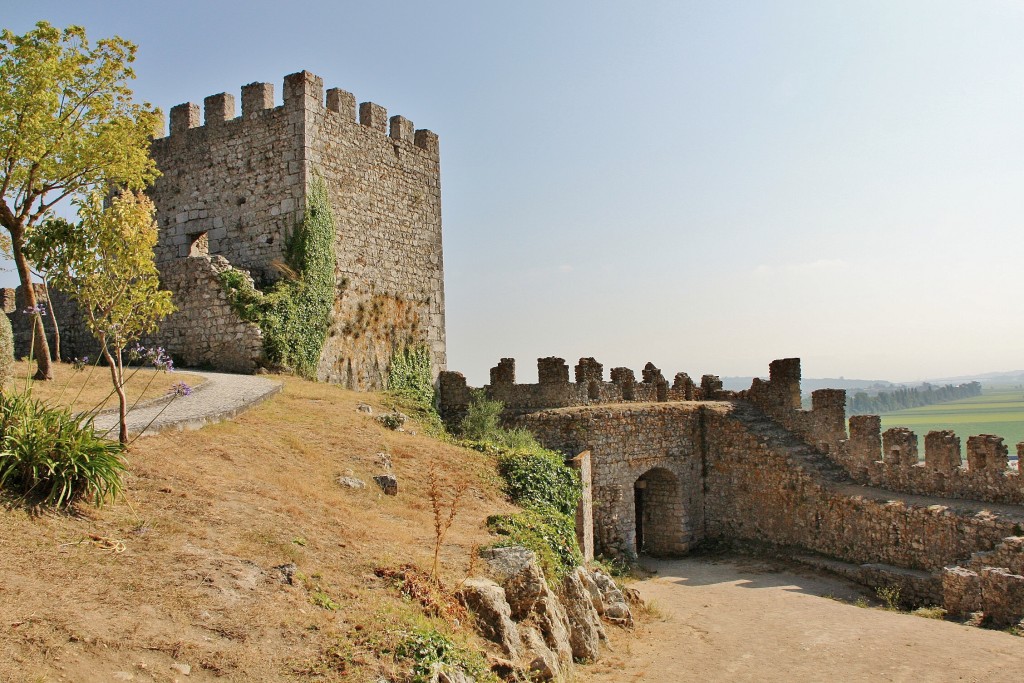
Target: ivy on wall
<point>294,313</point>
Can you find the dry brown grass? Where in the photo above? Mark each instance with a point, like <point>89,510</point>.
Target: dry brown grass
<point>84,389</point>
<point>208,517</point>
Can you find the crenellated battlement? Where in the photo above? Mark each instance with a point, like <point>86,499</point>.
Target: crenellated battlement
<point>302,91</point>
<point>891,460</point>
<point>554,390</point>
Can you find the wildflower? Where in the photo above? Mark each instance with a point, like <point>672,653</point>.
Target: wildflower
<point>180,389</point>
<point>80,363</point>
<point>38,309</point>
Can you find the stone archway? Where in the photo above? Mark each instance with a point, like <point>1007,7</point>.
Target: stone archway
<point>659,515</point>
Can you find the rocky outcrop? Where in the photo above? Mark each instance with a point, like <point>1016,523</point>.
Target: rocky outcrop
<point>539,629</point>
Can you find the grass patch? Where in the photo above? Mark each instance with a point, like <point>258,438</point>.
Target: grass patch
<point>86,388</point>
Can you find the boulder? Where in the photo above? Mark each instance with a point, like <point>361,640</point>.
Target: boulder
<point>487,601</point>
<point>517,571</point>
<point>541,661</point>
<point>388,484</point>
<point>585,629</point>
<point>614,606</point>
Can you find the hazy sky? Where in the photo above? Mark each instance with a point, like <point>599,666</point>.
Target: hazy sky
<point>705,185</point>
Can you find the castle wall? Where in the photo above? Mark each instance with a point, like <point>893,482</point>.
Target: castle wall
<point>205,331</point>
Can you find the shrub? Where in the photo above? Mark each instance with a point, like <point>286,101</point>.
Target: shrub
<point>547,532</point>
<point>482,422</point>
<point>431,651</point>
<point>538,479</point>
<point>411,377</point>
<point>48,455</point>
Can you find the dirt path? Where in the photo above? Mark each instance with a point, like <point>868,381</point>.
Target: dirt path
<point>745,621</point>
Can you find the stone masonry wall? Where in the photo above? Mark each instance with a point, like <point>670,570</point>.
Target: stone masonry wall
<point>205,331</point>
<point>627,443</point>
<point>236,186</point>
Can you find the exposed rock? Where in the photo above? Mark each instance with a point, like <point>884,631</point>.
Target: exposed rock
<point>365,408</point>
<point>549,615</point>
<point>542,662</point>
<point>351,482</point>
<point>615,609</point>
<point>384,460</point>
<point>517,571</point>
<point>287,572</point>
<point>445,675</point>
<point>487,601</point>
<point>585,629</point>
<point>388,483</point>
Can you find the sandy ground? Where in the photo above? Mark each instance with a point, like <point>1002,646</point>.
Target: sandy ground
<point>747,621</point>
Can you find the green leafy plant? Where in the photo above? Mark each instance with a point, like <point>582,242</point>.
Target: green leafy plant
<point>538,479</point>
<point>430,651</point>
<point>411,376</point>
<point>294,313</point>
<point>48,455</point>
<point>890,595</point>
<point>548,533</point>
<point>321,599</point>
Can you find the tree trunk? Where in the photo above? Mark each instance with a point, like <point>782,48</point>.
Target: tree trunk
<point>53,317</point>
<point>41,349</point>
<point>117,376</point>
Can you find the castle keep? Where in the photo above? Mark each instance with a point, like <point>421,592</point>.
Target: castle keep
<point>234,186</point>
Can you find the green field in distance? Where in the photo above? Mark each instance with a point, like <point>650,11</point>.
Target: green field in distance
<point>999,410</point>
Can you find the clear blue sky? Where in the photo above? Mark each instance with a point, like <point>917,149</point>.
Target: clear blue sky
<point>706,185</point>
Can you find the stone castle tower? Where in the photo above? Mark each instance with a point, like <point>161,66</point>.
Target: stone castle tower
<point>232,187</point>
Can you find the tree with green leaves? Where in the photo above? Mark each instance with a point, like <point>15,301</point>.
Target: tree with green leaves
<point>68,127</point>
<point>105,263</point>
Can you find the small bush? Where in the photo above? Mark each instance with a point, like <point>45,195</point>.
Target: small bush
<point>431,651</point>
<point>482,422</point>
<point>48,455</point>
<point>539,479</point>
<point>890,595</point>
<point>411,376</point>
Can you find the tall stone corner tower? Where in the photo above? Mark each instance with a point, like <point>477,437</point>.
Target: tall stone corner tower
<point>234,186</point>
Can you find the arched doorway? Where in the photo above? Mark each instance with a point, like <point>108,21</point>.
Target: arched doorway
<point>659,515</point>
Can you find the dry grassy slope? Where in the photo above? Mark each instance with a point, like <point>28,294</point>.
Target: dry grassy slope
<point>208,516</point>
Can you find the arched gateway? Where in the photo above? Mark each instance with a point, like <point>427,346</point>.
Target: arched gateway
<point>660,516</point>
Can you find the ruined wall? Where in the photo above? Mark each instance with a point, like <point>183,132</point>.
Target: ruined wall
<point>205,331</point>
<point>626,443</point>
<point>75,339</point>
<point>236,186</point>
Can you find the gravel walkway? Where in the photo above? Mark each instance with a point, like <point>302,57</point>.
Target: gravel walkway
<point>220,397</point>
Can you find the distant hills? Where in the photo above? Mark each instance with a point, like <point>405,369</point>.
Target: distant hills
<point>871,386</point>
